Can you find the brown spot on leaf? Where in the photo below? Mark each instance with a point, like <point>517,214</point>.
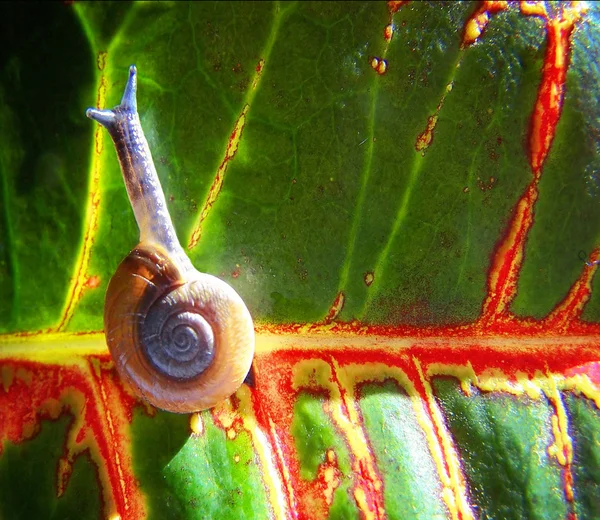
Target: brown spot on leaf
<point>93,282</point>
<point>101,60</point>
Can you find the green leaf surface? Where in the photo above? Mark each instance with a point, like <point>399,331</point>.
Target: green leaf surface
<point>413,487</point>
<point>584,420</point>
<point>326,196</point>
<point>315,435</point>
<point>501,440</point>
<point>326,185</point>
<point>28,485</point>
<point>195,477</point>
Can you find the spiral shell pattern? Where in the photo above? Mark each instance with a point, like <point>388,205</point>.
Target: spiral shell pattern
<point>183,345</point>
<point>176,338</point>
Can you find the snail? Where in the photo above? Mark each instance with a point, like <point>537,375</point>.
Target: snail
<point>181,339</point>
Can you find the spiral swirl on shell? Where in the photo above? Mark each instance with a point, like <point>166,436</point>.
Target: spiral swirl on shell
<point>182,342</point>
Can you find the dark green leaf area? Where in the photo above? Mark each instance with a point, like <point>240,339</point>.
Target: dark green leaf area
<point>102,21</point>
<point>421,61</point>
<point>569,196</point>
<point>44,89</point>
<point>503,443</point>
<point>192,89</point>
<point>294,229</point>
<point>119,233</point>
<point>314,435</point>
<point>29,478</point>
<point>412,488</point>
<point>584,429</point>
<point>207,476</point>
<point>586,57</point>
<point>285,211</point>
<point>155,442</point>
<point>446,207</point>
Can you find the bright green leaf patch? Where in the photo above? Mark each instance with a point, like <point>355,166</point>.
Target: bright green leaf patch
<point>206,476</point>
<point>584,429</point>
<point>412,488</point>
<point>314,435</point>
<point>326,185</point>
<point>503,443</point>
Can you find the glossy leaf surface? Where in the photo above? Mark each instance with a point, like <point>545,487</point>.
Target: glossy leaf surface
<point>400,192</point>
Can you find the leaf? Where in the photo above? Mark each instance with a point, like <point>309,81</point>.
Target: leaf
<point>400,193</point>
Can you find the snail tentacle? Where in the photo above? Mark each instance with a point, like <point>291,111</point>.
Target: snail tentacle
<point>182,339</point>
<point>141,180</point>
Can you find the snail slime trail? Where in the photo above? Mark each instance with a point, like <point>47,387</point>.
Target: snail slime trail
<point>183,340</point>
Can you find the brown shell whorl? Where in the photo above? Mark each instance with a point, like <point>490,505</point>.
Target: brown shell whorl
<point>182,344</point>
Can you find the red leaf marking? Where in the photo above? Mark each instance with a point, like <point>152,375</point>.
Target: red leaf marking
<point>89,390</point>
<point>394,5</point>
<point>542,370</point>
<point>368,488</point>
<point>548,104</point>
<point>388,32</point>
<point>217,185</point>
<point>295,375</point>
<point>259,69</point>
<point>379,65</point>
<point>93,282</point>
<point>504,273</point>
<point>78,283</point>
<point>336,307</point>
<point>329,476</point>
<point>275,414</point>
<point>289,363</point>
<point>425,138</point>
<point>232,148</point>
<point>477,22</point>
<point>569,311</point>
<point>506,266</point>
<point>473,28</point>
<point>533,8</point>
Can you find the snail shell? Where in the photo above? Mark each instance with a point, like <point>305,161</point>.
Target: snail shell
<point>183,340</point>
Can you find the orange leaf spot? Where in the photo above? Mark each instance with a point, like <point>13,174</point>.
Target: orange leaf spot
<point>478,21</point>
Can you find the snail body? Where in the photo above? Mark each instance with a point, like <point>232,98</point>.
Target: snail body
<point>181,339</point>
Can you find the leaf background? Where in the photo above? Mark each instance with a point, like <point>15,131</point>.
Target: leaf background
<point>306,210</point>
<point>325,187</point>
